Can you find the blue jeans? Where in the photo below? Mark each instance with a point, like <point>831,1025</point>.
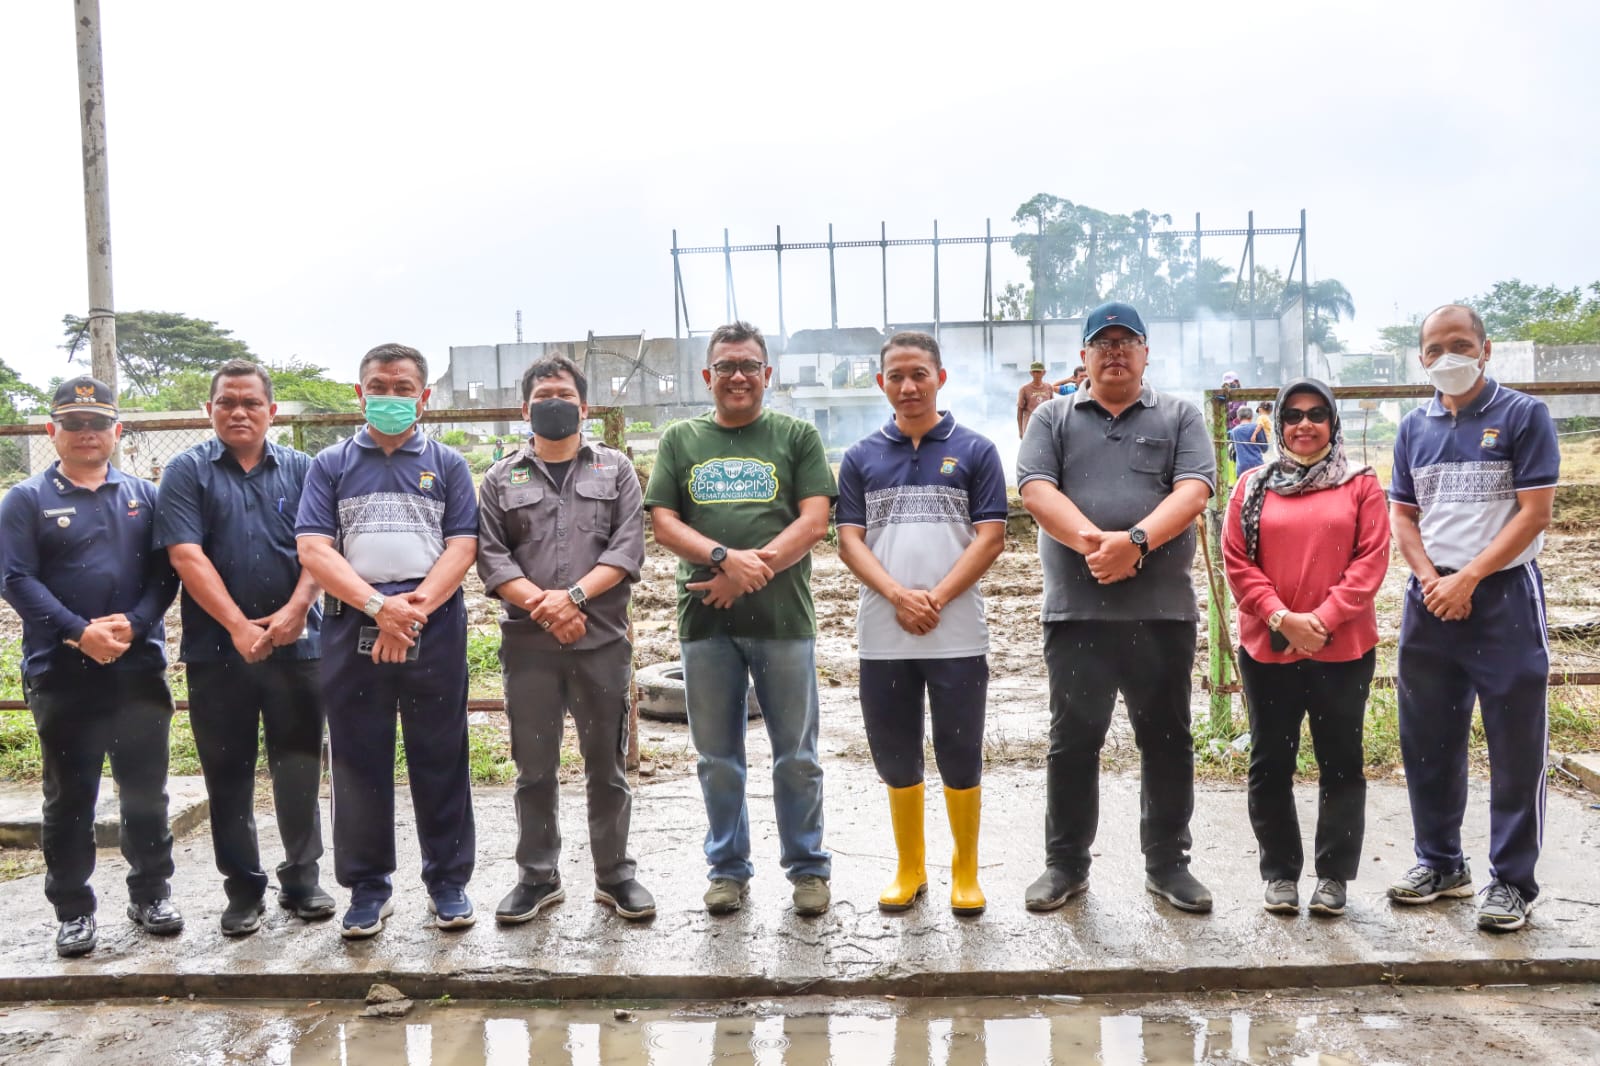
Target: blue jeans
<point>715,673</point>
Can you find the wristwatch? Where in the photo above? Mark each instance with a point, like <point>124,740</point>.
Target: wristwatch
<point>1275,622</point>
<point>373,605</point>
<point>1141,540</point>
<point>577,595</point>
<point>719,555</point>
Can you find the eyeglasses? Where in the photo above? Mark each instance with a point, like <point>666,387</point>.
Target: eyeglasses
<point>1293,416</point>
<point>748,367</point>
<point>93,423</point>
<point>1116,344</point>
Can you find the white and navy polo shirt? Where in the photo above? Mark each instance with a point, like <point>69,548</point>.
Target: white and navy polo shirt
<point>920,507</point>
<point>1464,470</point>
<point>389,515</point>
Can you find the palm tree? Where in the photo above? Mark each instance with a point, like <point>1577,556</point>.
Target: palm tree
<point>1326,297</point>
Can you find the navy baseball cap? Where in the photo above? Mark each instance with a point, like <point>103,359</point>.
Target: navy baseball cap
<point>1112,314</point>
<point>84,395</point>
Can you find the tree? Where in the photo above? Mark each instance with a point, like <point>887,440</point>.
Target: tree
<point>1517,311</point>
<point>18,399</point>
<point>1327,301</point>
<point>1016,303</point>
<point>153,347</point>
<point>311,386</point>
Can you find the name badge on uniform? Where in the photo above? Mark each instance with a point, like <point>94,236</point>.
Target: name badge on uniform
<point>62,515</point>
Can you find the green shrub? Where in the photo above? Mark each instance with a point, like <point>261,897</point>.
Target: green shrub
<point>453,438</point>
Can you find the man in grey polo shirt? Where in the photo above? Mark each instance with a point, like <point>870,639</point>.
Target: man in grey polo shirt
<point>1115,475</point>
<point>561,540</point>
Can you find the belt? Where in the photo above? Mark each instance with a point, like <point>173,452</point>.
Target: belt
<point>1445,571</point>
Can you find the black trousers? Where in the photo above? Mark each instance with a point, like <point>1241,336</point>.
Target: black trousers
<point>1334,695</point>
<point>227,702</point>
<point>957,699</point>
<point>124,714</point>
<point>1150,663</point>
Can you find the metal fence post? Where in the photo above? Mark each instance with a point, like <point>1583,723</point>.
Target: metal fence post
<point>1220,672</point>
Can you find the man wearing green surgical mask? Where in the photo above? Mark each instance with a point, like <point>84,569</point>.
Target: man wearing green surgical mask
<point>388,525</point>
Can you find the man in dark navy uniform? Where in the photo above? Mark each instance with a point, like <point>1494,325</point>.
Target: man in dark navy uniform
<point>251,639</point>
<point>388,524</point>
<point>78,563</point>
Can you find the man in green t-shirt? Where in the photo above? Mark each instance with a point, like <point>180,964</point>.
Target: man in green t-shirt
<point>741,495</point>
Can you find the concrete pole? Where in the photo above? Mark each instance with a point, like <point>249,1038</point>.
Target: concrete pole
<point>96,194</point>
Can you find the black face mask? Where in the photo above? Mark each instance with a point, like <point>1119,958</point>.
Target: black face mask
<point>553,419</point>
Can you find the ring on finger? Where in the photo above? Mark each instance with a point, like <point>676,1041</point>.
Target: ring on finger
<point>544,625</point>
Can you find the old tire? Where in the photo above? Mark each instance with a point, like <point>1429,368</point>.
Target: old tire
<point>661,695</point>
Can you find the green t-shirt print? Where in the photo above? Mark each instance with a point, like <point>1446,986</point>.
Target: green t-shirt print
<point>741,480</point>
<point>741,488</point>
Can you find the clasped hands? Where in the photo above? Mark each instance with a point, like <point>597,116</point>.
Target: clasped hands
<point>1112,555</point>
<point>1305,632</point>
<point>743,571</point>
<point>1448,597</point>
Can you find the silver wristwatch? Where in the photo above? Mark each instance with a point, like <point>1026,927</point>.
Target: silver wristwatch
<point>577,595</point>
<point>373,605</point>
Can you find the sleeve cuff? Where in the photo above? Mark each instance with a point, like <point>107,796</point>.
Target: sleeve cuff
<point>499,576</point>
<point>1037,477</point>
<point>621,561</point>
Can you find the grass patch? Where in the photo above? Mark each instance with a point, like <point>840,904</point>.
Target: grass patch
<point>17,863</point>
<point>483,663</point>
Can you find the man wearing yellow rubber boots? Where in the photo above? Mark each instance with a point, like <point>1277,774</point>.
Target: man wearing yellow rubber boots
<point>922,516</point>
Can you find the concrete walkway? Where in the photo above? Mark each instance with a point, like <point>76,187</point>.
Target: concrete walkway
<point>1115,938</point>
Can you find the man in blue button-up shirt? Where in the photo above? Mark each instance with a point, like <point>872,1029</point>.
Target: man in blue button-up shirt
<point>251,639</point>
<point>77,563</point>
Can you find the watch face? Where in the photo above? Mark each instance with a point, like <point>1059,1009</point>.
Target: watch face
<point>1137,536</point>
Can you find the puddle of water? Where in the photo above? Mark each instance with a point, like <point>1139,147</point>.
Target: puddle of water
<point>998,1032</point>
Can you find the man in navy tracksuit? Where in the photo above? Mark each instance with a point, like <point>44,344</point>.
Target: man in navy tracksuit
<point>1474,481</point>
<point>388,525</point>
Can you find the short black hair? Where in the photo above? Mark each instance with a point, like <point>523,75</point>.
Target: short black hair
<point>1473,316</point>
<point>393,353</point>
<point>912,338</point>
<point>238,368</point>
<point>552,366</point>
<point>736,333</point>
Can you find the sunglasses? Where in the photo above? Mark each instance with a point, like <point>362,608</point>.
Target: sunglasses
<point>1293,416</point>
<point>92,423</point>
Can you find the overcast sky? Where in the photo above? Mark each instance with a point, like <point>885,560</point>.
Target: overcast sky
<point>323,176</point>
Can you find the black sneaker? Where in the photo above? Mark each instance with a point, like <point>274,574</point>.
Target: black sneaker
<point>1053,888</point>
<point>1180,888</point>
<point>242,917</point>
<point>525,901</point>
<point>158,916</point>
<point>629,899</point>
<point>1329,898</point>
<point>1424,884</point>
<point>311,904</point>
<point>1502,908</point>
<point>76,937</point>
<point>1281,897</point>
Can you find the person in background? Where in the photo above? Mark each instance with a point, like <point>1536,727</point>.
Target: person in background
<point>1305,547</point>
<point>1031,395</point>
<point>1072,382</point>
<point>560,544</point>
<point>79,565</point>
<point>922,517</point>
<point>388,525</point>
<point>252,630</point>
<point>1115,477</point>
<point>1249,441</point>
<point>741,495</point>
<point>1474,483</point>
<point>1230,382</point>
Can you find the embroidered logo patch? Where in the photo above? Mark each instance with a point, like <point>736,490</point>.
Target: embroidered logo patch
<point>133,508</point>
<point>733,481</point>
<point>1491,437</point>
<point>519,475</point>
<point>948,466</point>
<point>425,482</point>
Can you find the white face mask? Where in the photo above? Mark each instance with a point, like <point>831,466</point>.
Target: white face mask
<point>1455,374</point>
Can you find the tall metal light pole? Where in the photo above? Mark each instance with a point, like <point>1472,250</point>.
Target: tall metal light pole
<point>96,194</point>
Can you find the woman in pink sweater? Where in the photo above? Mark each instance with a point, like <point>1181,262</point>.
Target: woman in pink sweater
<point>1306,545</point>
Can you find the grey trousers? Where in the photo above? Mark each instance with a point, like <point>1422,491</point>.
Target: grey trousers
<point>541,688</point>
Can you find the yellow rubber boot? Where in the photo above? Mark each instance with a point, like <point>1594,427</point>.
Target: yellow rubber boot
<point>911,878</point>
<point>964,806</point>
